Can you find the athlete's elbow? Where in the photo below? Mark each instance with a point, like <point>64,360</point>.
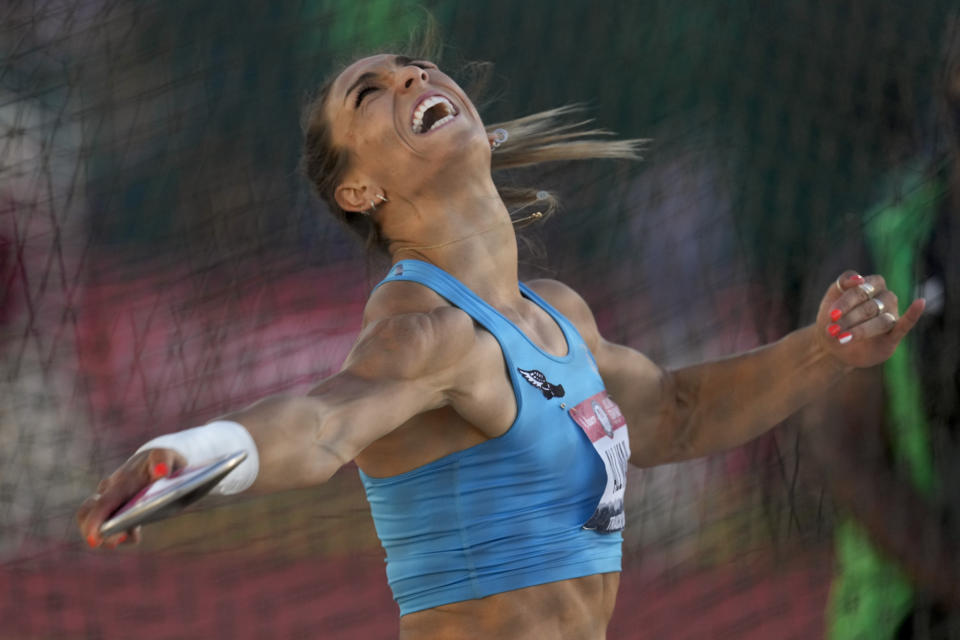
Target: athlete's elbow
<point>296,448</point>
<point>297,464</point>
<point>677,434</point>
<point>330,446</point>
<point>324,462</point>
<point>329,455</point>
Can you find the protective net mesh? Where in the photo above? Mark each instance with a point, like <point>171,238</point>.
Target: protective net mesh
<point>162,261</point>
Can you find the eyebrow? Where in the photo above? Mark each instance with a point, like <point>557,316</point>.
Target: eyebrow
<point>399,61</point>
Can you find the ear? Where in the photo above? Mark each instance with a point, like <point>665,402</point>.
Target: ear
<point>351,195</point>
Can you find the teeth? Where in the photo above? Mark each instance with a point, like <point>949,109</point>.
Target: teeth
<point>443,120</point>
<point>417,121</point>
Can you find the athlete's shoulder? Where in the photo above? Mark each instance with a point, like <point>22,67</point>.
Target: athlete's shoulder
<point>401,296</point>
<point>571,304</point>
<point>408,328</point>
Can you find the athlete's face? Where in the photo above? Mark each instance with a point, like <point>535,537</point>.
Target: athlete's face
<point>404,123</point>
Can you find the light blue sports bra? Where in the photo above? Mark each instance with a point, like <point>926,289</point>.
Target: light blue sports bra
<point>514,511</point>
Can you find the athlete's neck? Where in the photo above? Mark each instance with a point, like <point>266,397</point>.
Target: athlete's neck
<point>469,235</point>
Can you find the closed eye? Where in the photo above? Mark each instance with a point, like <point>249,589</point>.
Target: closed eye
<point>363,92</point>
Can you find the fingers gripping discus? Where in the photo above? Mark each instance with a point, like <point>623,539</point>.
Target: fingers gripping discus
<point>168,496</point>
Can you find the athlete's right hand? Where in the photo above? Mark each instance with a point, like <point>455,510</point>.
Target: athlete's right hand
<point>114,491</point>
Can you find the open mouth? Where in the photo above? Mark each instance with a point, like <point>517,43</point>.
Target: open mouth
<point>432,112</point>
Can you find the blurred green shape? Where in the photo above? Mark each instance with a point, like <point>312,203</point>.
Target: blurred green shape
<point>871,595</point>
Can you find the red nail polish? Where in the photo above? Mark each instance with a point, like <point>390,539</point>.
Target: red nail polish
<point>835,314</point>
<point>857,279</point>
<point>833,329</point>
<point>92,541</point>
<point>160,470</point>
<point>845,337</point>
<point>122,539</point>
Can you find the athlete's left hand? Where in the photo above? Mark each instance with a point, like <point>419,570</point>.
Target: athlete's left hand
<point>858,322</point>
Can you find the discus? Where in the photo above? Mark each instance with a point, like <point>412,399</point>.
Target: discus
<point>169,495</point>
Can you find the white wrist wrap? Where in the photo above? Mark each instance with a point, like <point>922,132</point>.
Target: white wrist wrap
<point>214,440</point>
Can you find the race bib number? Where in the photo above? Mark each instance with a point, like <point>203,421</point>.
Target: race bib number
<point>600,418</point>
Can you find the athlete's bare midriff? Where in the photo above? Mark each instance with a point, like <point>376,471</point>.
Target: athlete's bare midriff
<point>576,609</point>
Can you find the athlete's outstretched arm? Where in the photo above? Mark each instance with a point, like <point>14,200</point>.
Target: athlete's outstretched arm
<point>714,406</point>
<point>711,407</point>
<point>400,366</point>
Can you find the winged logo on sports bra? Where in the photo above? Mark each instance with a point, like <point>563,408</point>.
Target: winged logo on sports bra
<point>539,380</point>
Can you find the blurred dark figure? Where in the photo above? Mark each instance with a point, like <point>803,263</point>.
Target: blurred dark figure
<point>937,615</point>
<point>888,439</point>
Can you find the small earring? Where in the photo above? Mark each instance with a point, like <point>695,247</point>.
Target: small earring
<point>373,204</point>
<point>499,137</point>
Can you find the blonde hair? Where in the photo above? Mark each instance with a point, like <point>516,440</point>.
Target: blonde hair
<point>535,139</point>
<point>544,137</point>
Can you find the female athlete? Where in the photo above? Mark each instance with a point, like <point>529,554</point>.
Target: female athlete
<point>490,420</point>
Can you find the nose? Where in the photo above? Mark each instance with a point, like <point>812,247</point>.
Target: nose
<point>411,76</point>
